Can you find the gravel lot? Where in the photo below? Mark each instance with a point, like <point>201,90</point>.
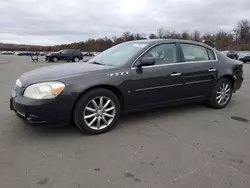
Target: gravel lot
<point>187,146</point>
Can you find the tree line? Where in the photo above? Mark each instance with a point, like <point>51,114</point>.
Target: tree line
<point>237,39</point>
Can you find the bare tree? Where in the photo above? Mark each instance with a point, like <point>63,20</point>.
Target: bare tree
<point>185,35</point>
<point>127,36</point>
<point>152,36</point>
<point>196,35</point>
<point>161,33</point>
<point>242,31</point>
<point>238,39</point>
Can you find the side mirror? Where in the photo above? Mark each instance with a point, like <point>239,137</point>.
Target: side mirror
<point>147,61</point>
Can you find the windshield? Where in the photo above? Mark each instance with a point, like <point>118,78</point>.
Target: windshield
<point>62,51</point>
<point>118,55</point>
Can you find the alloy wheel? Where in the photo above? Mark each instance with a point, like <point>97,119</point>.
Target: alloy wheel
<point>223,94</point>
<point>99,113</point>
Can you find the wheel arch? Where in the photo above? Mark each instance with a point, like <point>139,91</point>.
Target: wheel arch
<point>52,57</point>
<point>230,78</point>
<point>227,76</point>
<point>73,58</point>
<point>111,88</point>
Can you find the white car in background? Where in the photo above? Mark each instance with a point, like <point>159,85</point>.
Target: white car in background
<point>8,53</point>
<point>87,55</point>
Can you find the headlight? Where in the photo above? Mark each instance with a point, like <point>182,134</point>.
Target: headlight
<point>44,90</point>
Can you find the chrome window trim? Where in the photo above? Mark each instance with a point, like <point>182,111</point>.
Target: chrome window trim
<point>178,63</point>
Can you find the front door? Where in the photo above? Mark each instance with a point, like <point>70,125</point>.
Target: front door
<point>64,55</point>
<point>159,83</point>
<point>199,70</point>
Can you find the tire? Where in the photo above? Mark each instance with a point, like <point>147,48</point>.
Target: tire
<point>244,62</point>
<point>81,114</point>
<point>215,101</point>
<point>54,59</point>
<point>76,59</point>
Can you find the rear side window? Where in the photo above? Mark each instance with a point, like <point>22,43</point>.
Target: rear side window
<point>193,52</point>
<point>211,54</point>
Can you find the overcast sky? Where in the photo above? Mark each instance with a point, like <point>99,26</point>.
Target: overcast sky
<point>48,22</point>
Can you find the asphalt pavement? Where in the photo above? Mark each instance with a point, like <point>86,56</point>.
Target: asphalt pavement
<point>189,146</point>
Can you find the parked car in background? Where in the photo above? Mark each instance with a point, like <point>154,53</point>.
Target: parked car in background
<point>73,55</point>
<point>127,77</point>
<point>7,53</point>
<point>35,53</point>
<point>231,54</point>
<point>209,43</point>
<point>87,55</point>
<point>244,57</point>
<point>25,53</point>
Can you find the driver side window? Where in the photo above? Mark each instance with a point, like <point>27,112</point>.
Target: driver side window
<point>163,54</point>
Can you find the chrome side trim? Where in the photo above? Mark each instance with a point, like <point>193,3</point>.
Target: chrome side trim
<point>212,70</point>
<point>196,82</point>
<point>158,87</point>
<point>176,74</point>
<point>215,54</point>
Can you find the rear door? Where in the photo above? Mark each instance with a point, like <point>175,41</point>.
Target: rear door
<point>199,70</point>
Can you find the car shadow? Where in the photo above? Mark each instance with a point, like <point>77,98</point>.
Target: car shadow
<point>126,121</point>
<point>52,130</point>
<point>157,113</point>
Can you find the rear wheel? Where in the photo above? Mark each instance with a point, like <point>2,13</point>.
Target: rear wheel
<point>97,111</point>
<point>222,94</point>
<point>76,59</point>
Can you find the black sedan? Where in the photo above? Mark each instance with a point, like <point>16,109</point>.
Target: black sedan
<point>245,58</point>
<point>128,77</point>
<point>74,55</point>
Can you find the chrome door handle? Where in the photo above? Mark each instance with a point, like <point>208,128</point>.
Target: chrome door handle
<point>176,74</point>
<point>212,70</point>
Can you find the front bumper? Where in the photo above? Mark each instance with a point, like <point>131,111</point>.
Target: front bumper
<point>52,111</point>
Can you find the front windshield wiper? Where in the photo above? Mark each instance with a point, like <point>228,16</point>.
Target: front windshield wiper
<point>97,63</point>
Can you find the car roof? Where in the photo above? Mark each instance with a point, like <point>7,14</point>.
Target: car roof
<point>156,41</point>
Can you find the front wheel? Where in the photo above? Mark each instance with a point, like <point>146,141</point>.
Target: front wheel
<point>55,59</point>
<point>222,94</point>
<point>97,111</point>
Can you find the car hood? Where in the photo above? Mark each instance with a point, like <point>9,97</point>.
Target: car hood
<point>53,53</point>
<point>57,72</point>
